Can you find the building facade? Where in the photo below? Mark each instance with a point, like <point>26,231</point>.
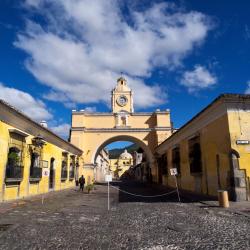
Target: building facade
<point>102,166</point>
<point>119,166</point>
<point>212,150</point>
<point>93,131</point>
<point>33,160</point>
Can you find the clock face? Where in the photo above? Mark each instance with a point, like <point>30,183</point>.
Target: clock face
<point>122,100</point>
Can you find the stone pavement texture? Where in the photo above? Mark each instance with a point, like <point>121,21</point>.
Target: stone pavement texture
<point>74,220</point>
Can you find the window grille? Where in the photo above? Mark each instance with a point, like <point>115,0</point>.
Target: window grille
<point>176,159</point>
<point>195,161</point>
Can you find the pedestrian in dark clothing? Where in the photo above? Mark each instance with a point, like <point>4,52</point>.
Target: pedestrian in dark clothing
<point>82,182</point>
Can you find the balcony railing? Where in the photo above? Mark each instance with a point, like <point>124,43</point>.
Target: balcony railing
<point>14,173</point>
<point>71,175</point>
<point>35,174</point>
<point>64,175</point>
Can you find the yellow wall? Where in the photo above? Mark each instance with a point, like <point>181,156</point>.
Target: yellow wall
<point>88,173</point>
<point>214,139</point>
<point>163,119</point>
<point>239,125</point>
<point>26,188</point>
<point>4,138</point>
<point>109,121</point>
<point>90,141</point>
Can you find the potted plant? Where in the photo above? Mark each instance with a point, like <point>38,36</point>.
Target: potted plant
<point>89,187</point>
<point>13,159</point>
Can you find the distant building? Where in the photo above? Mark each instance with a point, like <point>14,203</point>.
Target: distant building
<point>102,166</point>
<point>119,166</point>
<point>137,158</point>
<point>140,170</point>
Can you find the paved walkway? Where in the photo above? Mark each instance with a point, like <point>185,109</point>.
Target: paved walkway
<point>74,220</point>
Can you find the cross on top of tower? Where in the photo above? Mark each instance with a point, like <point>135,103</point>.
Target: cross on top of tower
<point>122,80</point>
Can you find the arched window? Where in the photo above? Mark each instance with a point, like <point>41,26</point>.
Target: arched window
<point>234,159</point>
<point>123,118</point>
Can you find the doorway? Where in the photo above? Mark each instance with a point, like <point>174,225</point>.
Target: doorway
<point>51,174</point>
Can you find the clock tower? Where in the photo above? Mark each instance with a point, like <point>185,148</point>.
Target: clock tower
<point>122,97</point>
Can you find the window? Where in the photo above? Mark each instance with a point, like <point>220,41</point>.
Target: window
<point>72,167</point>
<point>14,157</point>
<point>176,160</point>
<point>14,166</point>
<point>35,169</point>
<point>64,170</point>
<point>195,161</point>
<point>123,118</point>
<point>163,164</point>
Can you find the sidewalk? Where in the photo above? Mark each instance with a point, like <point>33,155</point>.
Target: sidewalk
<point>12,204</point>
<point>239,207</point>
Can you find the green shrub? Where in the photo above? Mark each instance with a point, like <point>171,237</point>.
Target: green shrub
<point>89,187</point>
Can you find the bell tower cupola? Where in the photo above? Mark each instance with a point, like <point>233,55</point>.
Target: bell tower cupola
<point>122,97</point>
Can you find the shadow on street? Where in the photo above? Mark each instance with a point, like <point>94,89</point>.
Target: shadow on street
<point>140,190</point>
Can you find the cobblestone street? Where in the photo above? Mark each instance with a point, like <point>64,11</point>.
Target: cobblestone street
<point>74,220</point>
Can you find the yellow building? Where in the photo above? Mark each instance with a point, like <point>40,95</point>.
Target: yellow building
<point>212,150</point>
<point>33,160</point>
<point>102,166</point>
<point>121,165</point>
<point>94,131</point>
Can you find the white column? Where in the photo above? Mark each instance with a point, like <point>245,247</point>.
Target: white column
<point>126,120</point>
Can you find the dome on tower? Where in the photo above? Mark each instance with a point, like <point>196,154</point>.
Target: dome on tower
<point>125,155</point>
<point>122,84</point>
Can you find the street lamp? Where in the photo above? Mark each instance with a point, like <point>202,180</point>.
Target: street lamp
<point>38,141</point>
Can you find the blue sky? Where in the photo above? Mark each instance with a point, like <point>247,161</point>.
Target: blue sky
<point>67,54</point>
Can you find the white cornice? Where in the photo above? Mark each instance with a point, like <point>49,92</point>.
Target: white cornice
<point>120,129</point>
<point>113,113</point>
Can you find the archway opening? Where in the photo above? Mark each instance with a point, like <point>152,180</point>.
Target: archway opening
<point>125,158</point>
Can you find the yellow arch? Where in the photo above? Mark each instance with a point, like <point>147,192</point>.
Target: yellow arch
<point>149,154</point>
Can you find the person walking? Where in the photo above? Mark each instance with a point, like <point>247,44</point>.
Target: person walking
<point>82,182</point>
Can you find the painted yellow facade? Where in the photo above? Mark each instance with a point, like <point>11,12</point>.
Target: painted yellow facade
<point>31,157</point>
<point>93,131</point>
<point>120,165</point>
<point>214,150</point>
<point>102,166</point>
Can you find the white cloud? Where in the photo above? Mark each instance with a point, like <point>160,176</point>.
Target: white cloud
<point>85,45</point>
<point>61,130</point>
<point>33,3</point>
<point>199,78</point>
<point>248,88</point>
<point>90,109</point>
<point>34,108</point>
